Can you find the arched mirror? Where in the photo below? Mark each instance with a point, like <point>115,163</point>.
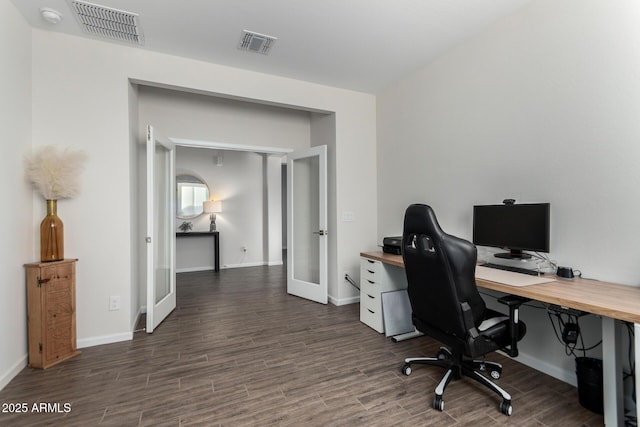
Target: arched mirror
<point>191,191</point>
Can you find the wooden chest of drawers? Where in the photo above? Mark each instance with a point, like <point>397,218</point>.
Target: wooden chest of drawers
<point>51,312</point>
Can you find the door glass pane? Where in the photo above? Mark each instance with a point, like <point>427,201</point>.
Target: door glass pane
<point>306,221</point>
<point>162,208</point>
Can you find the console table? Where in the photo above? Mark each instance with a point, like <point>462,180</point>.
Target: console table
<point>613,302</point>
<point>216,243</point>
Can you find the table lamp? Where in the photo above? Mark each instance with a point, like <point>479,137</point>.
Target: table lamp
<point>212,207</point>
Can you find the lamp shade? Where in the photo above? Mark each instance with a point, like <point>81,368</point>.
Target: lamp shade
<point>212,206</point>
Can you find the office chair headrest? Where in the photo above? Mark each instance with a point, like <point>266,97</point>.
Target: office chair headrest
<point>421,219</point>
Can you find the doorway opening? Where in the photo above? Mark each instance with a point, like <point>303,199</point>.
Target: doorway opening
<point>277,129</point>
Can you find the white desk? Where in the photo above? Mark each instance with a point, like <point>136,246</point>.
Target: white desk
<point>612,301</point>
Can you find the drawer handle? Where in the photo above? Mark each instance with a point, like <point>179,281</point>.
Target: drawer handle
<point>370,261</point>
<point>370,296</point>
<point>371,311</point>
<point>372,272</point>
<point>370,281</point>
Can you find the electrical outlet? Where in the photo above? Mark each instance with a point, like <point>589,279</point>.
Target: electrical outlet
<point>114,302</point>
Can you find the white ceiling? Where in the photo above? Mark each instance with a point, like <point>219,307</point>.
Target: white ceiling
<point>363,45</point>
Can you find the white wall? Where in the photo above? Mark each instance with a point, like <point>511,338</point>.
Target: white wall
<point>355,182</point>
<point>17,210</point>
<point>542,107</point>
<point>347,237</point>
<point>205,117</point>
<point>81,97</point>
<point>240,179</point>
<point>239,183</point>
<point>135,185</point>
<point>272,206</point>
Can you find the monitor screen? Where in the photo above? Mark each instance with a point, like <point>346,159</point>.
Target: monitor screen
<point>523,227</point>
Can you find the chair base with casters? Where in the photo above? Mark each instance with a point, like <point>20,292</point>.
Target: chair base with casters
<point>457,367</point>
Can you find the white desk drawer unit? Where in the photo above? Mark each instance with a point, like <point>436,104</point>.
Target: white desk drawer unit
<point>375,279</point>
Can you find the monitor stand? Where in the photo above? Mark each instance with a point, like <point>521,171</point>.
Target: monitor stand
<point>513,254</point>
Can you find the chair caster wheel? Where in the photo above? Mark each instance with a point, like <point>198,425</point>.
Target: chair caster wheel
<point>506,408</point>
<point>438,403</point>
<point>495,374</point>
<point>443,354</point>
<point>406,369</point>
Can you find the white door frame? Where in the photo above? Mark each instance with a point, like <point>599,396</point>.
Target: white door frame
<point>195,143</point>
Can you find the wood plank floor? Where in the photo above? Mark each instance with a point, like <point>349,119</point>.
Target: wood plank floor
<point>239,351</point>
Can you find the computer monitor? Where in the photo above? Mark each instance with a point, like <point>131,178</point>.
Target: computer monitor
<point>516,227</point>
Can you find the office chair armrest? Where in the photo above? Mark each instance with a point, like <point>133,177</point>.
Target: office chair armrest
<point>513,302</point>
<point>469,323</point>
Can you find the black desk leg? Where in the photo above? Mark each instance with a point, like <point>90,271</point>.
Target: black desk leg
<point>216,249</point>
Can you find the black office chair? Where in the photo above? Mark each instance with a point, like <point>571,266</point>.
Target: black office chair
<point>447,306</point>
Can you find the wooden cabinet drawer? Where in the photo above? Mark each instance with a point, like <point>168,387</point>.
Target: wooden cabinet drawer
<point>56,272</point>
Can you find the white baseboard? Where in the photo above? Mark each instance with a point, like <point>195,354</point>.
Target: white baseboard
<point>222,267</point>
<point>13,371</point>
<point>192,269</point>
<point>247,264</point>
<point>344,301</point>
<point>104,339</point>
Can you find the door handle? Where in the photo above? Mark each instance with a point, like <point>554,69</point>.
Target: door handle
<point>321,232</point>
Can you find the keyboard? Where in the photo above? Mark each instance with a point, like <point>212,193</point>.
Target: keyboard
<point>510,278</point>
<point>514,269</point>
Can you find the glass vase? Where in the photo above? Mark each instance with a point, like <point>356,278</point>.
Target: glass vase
<point>51,234</point>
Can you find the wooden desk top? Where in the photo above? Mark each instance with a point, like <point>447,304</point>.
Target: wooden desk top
<point>603,298</point>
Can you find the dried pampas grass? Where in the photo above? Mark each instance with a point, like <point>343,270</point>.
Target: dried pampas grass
<point>55,173</point>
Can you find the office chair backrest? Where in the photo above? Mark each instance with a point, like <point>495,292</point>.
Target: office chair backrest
<point>440,271</point>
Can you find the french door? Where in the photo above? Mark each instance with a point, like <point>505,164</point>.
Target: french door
<point>307,224</point>
<point>160,239</point>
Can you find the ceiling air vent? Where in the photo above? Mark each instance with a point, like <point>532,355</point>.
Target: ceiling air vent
<point>255,42</point>
<point>107,22</point>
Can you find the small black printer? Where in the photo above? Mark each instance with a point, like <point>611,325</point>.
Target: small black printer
<point>392,245</point>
